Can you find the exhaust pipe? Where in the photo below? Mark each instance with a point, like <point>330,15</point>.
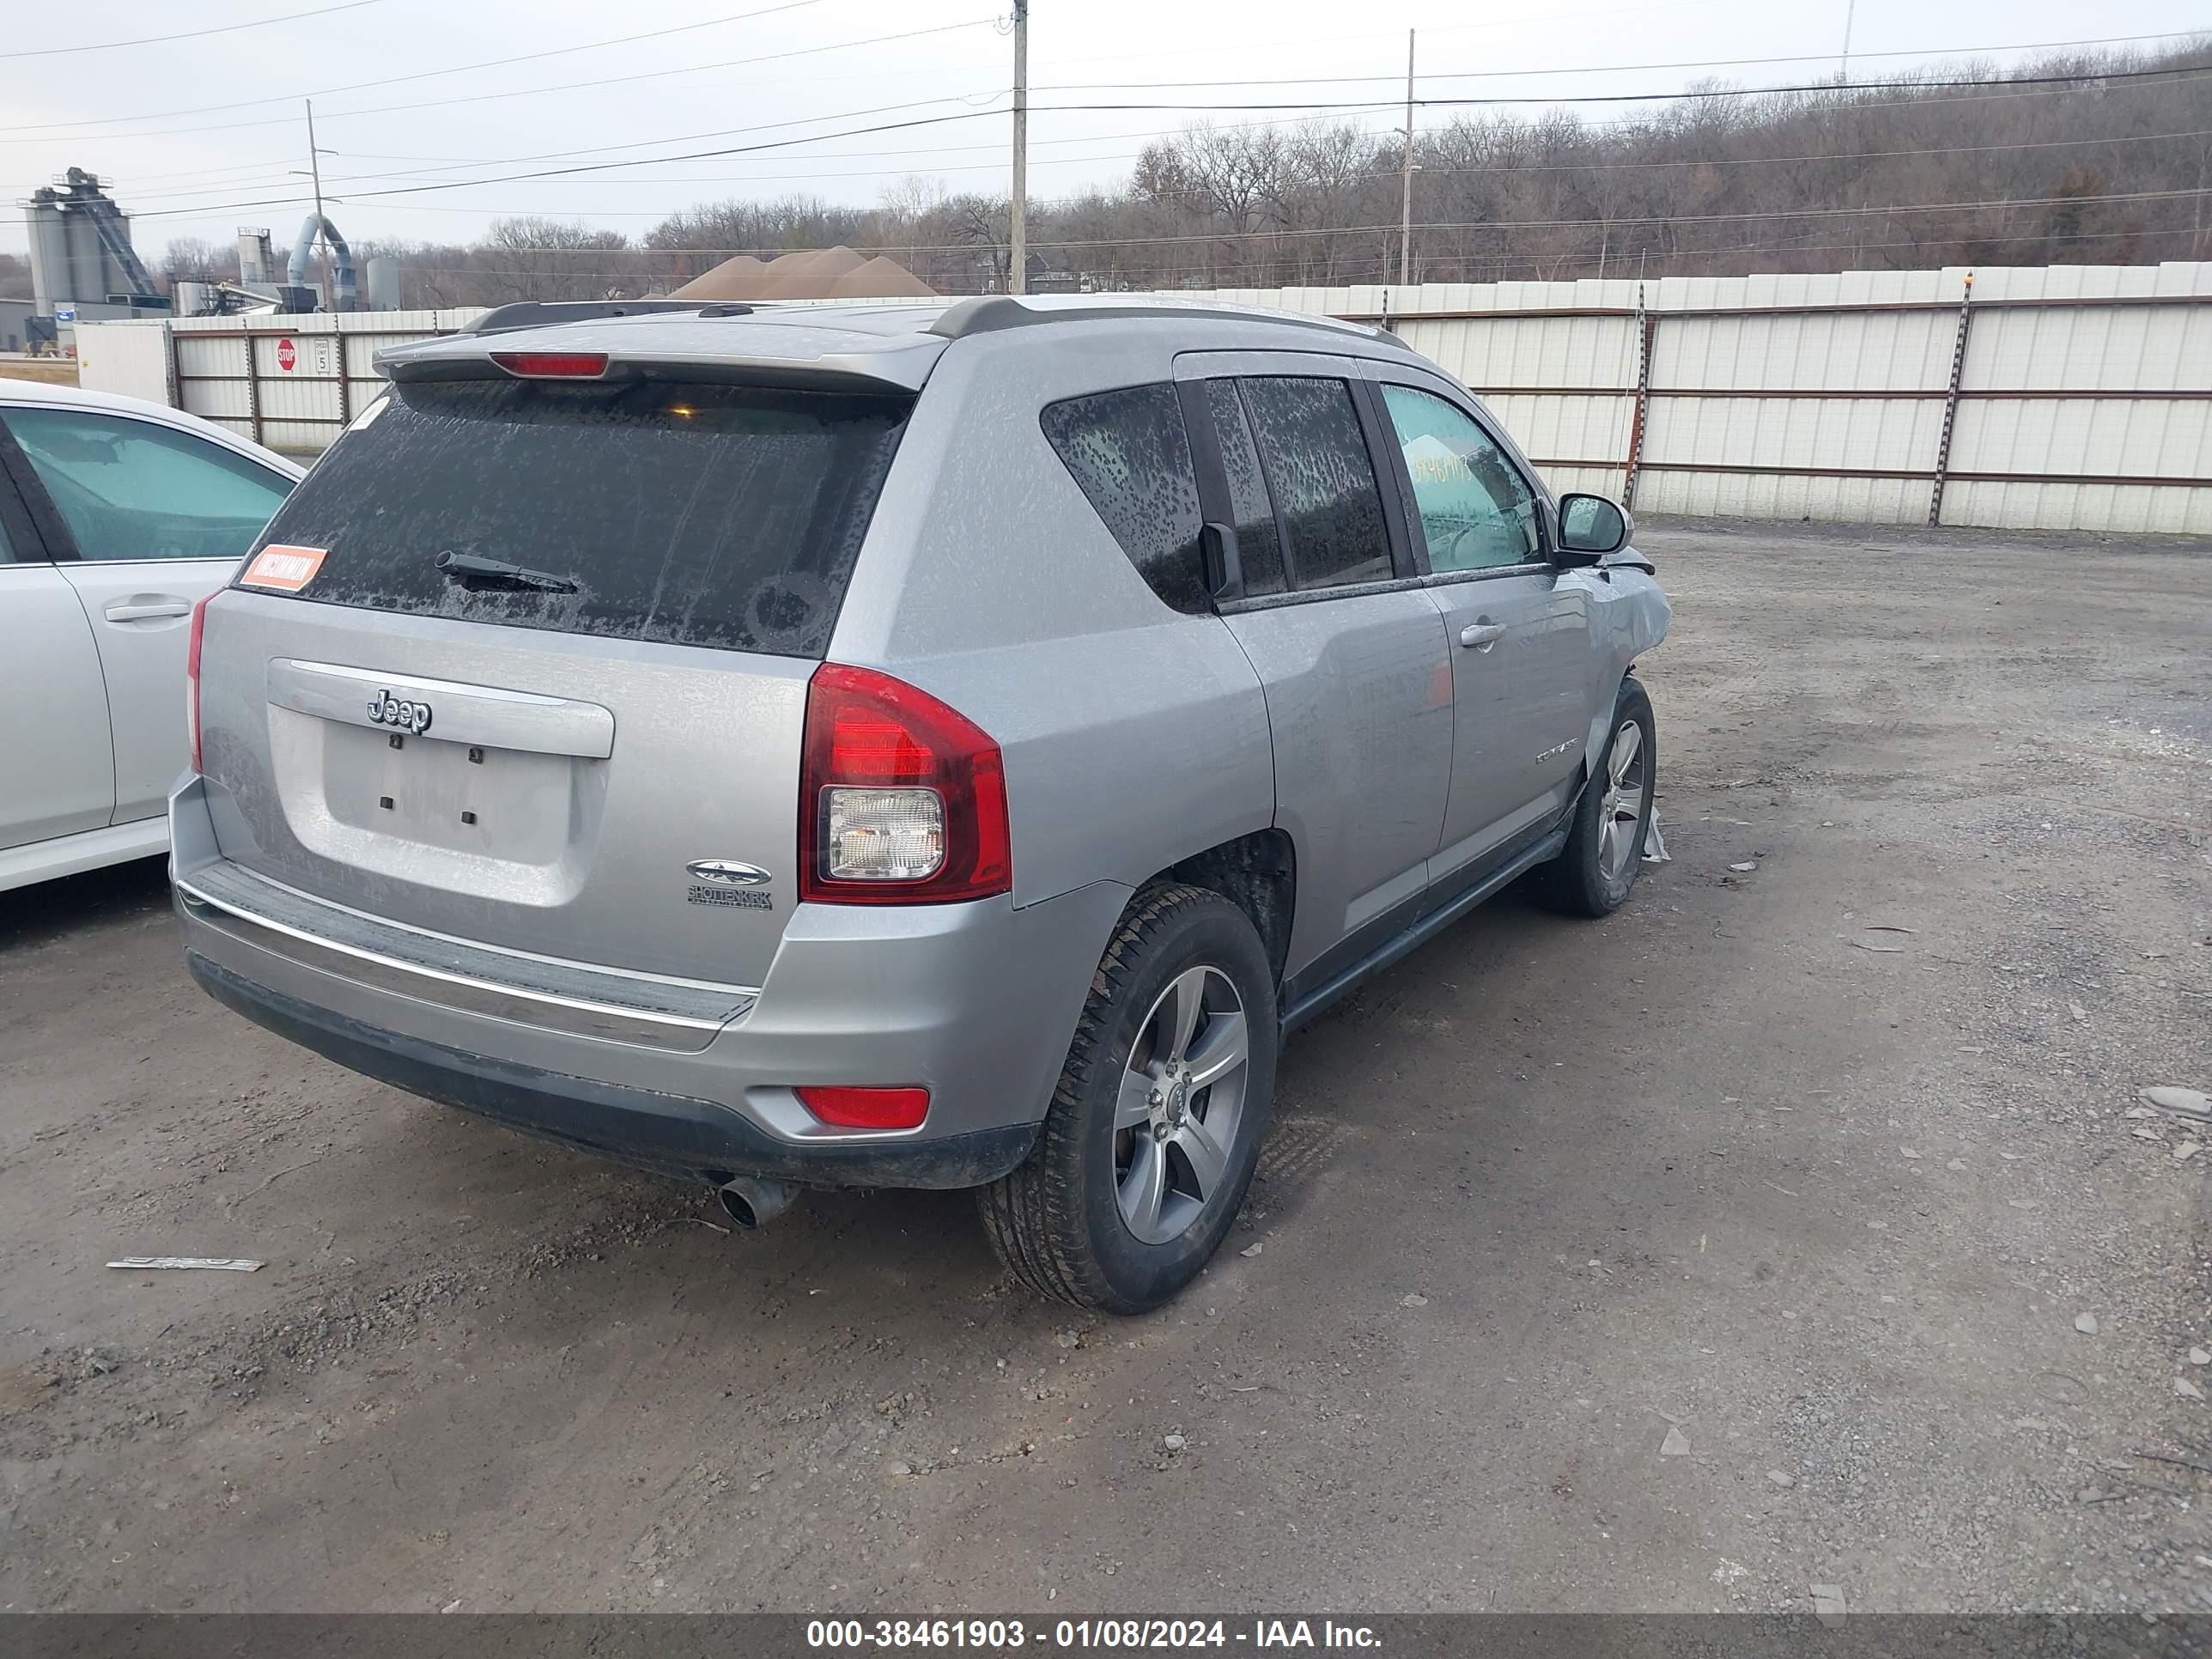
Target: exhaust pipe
<point>753,1201</point>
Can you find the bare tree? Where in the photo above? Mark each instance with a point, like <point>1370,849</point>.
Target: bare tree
<point>1914,172</point>
<point>195,260</point>
<point>536,258</point>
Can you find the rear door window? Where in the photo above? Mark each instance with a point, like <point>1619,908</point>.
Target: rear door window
<point>1323,479</point>
<point>1128,451</point>
<point>708,515</point>
<point>1258,543</point>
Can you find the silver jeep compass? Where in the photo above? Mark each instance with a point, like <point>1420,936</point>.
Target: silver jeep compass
<point>927,744</point>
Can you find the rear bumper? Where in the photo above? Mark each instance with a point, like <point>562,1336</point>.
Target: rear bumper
<point>974,1002</point>
<point>669,1134</point>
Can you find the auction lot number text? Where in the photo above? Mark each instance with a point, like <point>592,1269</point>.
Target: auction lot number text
<point>1119,1634</point>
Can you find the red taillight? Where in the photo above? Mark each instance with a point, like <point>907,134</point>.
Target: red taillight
<point>866,1109</point>
<point>903,800</point>
<point>553,365</point>
<point>192,679</point>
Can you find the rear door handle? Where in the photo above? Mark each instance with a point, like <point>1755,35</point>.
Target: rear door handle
<point>145,608</point>
<point>1482,635</point>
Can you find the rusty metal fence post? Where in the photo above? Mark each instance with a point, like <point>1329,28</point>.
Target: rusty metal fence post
<point>253,384</point>
<point>1647,328</point>
<point>1951,401</point>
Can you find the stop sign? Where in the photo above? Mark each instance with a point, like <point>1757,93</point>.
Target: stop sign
<point>286,355</point>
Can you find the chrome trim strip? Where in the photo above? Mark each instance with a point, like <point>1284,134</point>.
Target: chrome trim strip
<point>577,1016</point>
<point>485,714</point>
<point>238,874</point>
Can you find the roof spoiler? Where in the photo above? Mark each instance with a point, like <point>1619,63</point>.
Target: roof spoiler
<point>543,313</point>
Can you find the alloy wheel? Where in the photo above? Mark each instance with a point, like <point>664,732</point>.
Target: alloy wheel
<point>1621,811</point>
<point>1181,1103</point>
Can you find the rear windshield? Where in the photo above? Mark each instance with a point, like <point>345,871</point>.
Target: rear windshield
<point>713,515</point>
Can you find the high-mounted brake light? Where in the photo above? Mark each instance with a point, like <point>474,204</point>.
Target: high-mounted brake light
<point>903,800</point>
<point>192,679</point>
<point>553,365</point>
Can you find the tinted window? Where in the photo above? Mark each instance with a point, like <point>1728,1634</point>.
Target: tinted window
<point>1129,452</point>
<point>1477,511</point>
<point>1258,547</point>
<point>130,489</point>
<point>713,515</point>
<point>1324,484</point>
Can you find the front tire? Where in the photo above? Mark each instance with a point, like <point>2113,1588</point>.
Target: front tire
<point>1148,1147</point>
<point>1605,845</point>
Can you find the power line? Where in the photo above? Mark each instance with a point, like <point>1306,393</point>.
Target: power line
<point>600,166</point>
<point>418,75</point>
<point>878,39</point>
<point>1309,79</point>
<point>601,150</point>
<point>1626,220</point>
<point>1550,18</point>
<point>2009,86</point>
<point>1341,266</point>
<point>641,143</point>
<point>996,150</point>
<point>1139,241</point>
<point>190,34</point>
<point>1426,171</point>
<point>691,68</point>
<point>1623,69</point>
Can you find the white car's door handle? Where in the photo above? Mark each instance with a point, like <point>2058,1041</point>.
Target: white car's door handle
<point>141,607</point>
<point>1482,635</point>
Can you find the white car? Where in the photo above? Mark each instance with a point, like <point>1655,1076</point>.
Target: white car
<point>116,516</point>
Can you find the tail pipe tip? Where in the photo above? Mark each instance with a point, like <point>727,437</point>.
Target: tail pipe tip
<point>755,1201</point>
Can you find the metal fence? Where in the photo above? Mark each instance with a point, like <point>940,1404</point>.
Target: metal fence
<point>291,382</point>
<point>2061,398</point>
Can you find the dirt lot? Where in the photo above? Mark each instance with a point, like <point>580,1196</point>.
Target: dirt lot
<point>1680,1261</point>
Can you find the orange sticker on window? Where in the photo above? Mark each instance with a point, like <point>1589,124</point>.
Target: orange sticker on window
<point>286,569</point>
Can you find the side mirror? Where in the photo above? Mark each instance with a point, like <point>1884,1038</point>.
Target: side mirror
<point>1591,526</point>
<point>1217,552</point>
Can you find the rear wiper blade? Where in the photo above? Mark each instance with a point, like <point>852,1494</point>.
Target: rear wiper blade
<point>471,567</point>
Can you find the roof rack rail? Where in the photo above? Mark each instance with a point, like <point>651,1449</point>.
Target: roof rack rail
<point>542,314</point>
<point>988,313</point>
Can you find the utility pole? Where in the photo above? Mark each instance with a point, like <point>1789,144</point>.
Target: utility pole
<point>1018,274</point>
<point>1405,180</point>
<point>1850,8</point>
<point>315,171</point>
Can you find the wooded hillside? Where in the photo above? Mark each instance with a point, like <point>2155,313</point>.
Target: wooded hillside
<point>2097,158</point>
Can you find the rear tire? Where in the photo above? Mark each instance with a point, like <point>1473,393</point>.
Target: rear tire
<point>1148,1147</point>
<point>1605,845</point>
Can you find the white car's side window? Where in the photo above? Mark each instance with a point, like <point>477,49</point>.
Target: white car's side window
<point>134,490</point>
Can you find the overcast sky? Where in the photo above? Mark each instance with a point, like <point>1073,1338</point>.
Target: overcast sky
<point>199,136</point>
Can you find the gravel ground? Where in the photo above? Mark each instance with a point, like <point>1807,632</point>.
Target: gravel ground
<point>1797,1226</point>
